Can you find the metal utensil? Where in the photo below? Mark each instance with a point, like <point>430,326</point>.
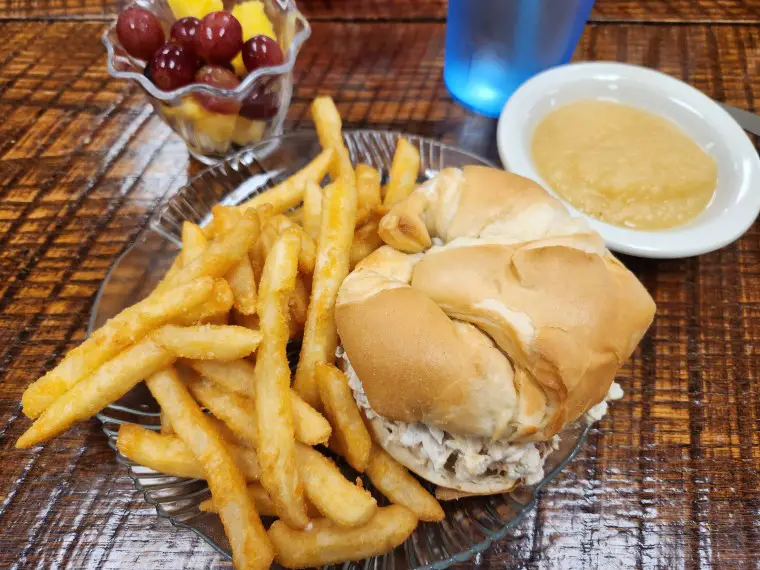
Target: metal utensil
<point>747,120</point>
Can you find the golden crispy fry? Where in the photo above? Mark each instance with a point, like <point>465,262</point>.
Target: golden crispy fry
<point>261,249</point>
<point>329,127</point>
<point>241,277</point>
<point>289,193</point>
<point>404,171</point>
<point>259,496</point>
<point>124,329</point>
<point>166,426</point>
<point>208,342</point>
<point>263,501</point>
<point>104,386</point>
<point>237,376</point>
<point>308,252</point>
<point>327,543</point>
<point>247,321</point>
<point>250,546</point>
<point>334,496</point>
<point>274,414</point>
<point>170,455</point>
<point>296,216</point>
<point>213,311</point>
<point>235,410</point>
<point>299,306</point>
<point>243,284</point>
<point>174,268</point>
<point>351,435</point>
<point>367,192</point>
<point>194,242</point>
<point>312,427</point>
<point>335,237</point>
<point>366,240</point>
<point>400,487</point>
<point>312,210</point>
<point>221,255</point>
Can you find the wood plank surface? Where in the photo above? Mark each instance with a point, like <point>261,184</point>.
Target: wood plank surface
<point>350,10</point>
<point>668,480</point>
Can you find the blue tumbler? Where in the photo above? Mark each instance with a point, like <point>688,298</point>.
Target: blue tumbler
<point>493,46</point>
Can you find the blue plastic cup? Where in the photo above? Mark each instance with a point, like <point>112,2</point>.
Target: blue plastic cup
<point>493,46</point>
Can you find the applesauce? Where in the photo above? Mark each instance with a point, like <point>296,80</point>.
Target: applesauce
<point>623,166</point>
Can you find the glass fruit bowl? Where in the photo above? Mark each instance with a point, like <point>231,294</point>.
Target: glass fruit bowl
<point>471,524</point>
<point>214,121</point>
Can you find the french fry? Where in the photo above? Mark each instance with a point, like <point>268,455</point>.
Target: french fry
<point>243,284</point>
<point>220,256</point>
<point>170,455</point>
<point>104,386</point>
<point>299,306</point>
<point>208,342</point>
<point>194,242</point>
<point>237,376</point>
<point>214,311</point>
<point>174,268</point>
<point>404,171</point>
<point>367,192</point>
<point>331,493</point>
<point>312,210</point>
<point>351,435</point>
<point>327,543</point>
<point>124,329</point>
<point>274,414</point>
<point>247,321</point>
<point>320,336</point>
<point>400,487</point>
<point>296,216</point>
<point>311,427</point>
<point>241,277</point>
<point>308,251</point>
<point>250,545</point>
<point>233,409</point>
<point>263,502</point>
<point>166,426</point>
<point>289,193</point>
<point>236,411</point>
<point>261,248</point>
<point>366,240</point>
<point>329,127</point>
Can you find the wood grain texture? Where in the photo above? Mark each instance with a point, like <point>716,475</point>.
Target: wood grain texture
<point>668,480</point>
<point>429,10</point>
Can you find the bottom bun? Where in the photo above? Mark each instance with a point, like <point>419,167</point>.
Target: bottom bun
<point>491,485</point>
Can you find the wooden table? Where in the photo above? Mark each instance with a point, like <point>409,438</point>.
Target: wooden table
<point>668,480</point>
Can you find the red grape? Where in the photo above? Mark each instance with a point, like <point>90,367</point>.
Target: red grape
<point>183,33</point>
<point>219,37</point>
<point>217,76</point>
<point>172,67</point>
<point>259,106</point>
<point>139,32</point>
<point>261,51</point>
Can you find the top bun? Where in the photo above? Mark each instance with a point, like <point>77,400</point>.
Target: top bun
<point>511,329</point>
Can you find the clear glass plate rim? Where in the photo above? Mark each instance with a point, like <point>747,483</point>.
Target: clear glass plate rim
<point>490,535</point>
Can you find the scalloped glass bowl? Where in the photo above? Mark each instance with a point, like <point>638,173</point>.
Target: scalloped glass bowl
<point>210,136</point>
<point>471,525</point>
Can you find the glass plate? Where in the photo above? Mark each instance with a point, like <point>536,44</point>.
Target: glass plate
<point>471,525</point>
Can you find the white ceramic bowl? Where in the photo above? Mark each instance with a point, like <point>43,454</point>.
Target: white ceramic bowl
<point>736,203</point>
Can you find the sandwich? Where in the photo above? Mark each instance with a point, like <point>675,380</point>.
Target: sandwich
<point>489,322</point>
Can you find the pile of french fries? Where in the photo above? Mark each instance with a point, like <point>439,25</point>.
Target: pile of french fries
<point>210,343</point>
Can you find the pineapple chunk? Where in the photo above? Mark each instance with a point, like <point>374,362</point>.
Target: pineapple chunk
<point>248,132</point>
<point>195,8</point>
<point>255,22</point>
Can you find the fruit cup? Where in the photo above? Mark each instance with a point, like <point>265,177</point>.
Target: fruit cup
<point>206,95</point>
